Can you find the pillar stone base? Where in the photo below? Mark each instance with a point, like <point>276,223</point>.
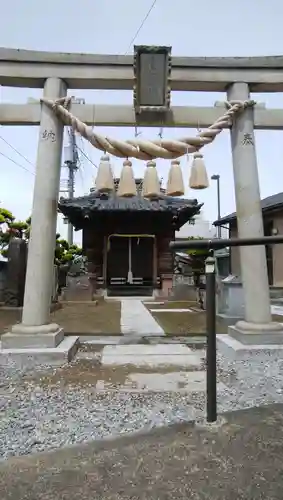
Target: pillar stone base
<point>256,333</point>
<point>28,358</point>
<point>31,340</point>
<point>232,350</point>
<point>28,346</point>
<point>22,329</point>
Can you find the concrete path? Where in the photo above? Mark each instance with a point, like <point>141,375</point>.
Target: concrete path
<point>153,303</point>
<point>170,310</point>
<point>151,356</point>
<point>277,310</point>
<point>137,320</point>
<point>178,382</point>
<point>238,460</point>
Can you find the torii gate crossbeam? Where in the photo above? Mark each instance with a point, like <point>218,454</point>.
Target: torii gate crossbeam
<point>102,115</point>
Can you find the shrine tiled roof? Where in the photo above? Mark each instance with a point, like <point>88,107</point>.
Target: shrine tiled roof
<point>95,203</point>
<point>102,202</point>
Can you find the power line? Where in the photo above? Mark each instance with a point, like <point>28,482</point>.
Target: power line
<point>27,170</point>
<point>86,157</point>
<point>16,150</point>
<point>83,151</point>
<point>141,26</point>
<point>82,179</point>
<point>82,165</point>
<point>16,163</point>
<point>82,144</point>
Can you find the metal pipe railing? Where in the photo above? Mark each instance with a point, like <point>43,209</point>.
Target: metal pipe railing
<point>211,350</point>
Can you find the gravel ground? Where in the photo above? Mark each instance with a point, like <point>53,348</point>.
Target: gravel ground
<point>35,417</point>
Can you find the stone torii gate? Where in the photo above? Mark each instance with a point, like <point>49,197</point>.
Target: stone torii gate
<point>58,72</point>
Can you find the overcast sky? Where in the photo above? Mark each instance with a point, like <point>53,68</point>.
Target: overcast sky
<point>218,28</point>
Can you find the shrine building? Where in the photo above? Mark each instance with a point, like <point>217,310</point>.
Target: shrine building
<point>126,239</point>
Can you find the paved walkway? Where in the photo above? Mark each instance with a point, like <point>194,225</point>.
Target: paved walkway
<point>277,310</point>
<point>137,320</point>
<point>240,460</point>
<point>170,310</point>
<point>151,356</point>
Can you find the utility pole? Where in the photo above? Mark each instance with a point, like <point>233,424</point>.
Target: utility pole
<point>216,177</point>
<point>71,162</point>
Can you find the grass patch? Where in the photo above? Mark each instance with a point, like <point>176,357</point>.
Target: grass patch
<point>89,319</point>
<point>278,319</point>
<point>169,304</point>
<point>75,318</point>
<point>191,324</point>
<point>184,324</point>
<point>179,324</point>
<point>9,318</point>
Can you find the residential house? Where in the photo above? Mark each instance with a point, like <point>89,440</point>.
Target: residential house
<point>272,211</point>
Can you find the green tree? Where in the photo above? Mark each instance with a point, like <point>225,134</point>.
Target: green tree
<point>65,253</point>
<point>9,228</point>
<point>6,216</point>
<point>198,257</point>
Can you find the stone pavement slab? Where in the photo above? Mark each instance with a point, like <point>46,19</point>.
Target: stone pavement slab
<point>153,302</point>
<point>238,460</point>
<point>171,310</point>
<point>180,382</point>
<point>150,355</point>
<point>136,319</point>
<point>277,310</point>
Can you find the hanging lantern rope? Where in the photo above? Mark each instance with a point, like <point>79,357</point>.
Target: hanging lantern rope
<point>146,149</point>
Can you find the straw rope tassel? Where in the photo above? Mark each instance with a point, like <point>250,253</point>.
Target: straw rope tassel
<point>151,183</point>
<point>127,184</point>
<point>148,150</point>
<point>175,184</point>
<point>198,176</point>
<point>104,181</point>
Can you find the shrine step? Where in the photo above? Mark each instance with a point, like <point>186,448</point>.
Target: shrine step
<point>129,291</point>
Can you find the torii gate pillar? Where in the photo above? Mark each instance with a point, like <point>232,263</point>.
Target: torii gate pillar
<point>40,263</point>
<point>250,225</point>
<point>36,331</point>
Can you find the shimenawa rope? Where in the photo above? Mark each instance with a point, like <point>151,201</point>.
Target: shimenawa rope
<point>146,149</point>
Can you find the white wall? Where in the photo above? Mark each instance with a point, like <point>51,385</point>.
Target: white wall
<point>202,228</point>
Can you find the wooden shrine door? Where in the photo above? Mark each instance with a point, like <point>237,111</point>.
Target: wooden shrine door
<point>130,255</point>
